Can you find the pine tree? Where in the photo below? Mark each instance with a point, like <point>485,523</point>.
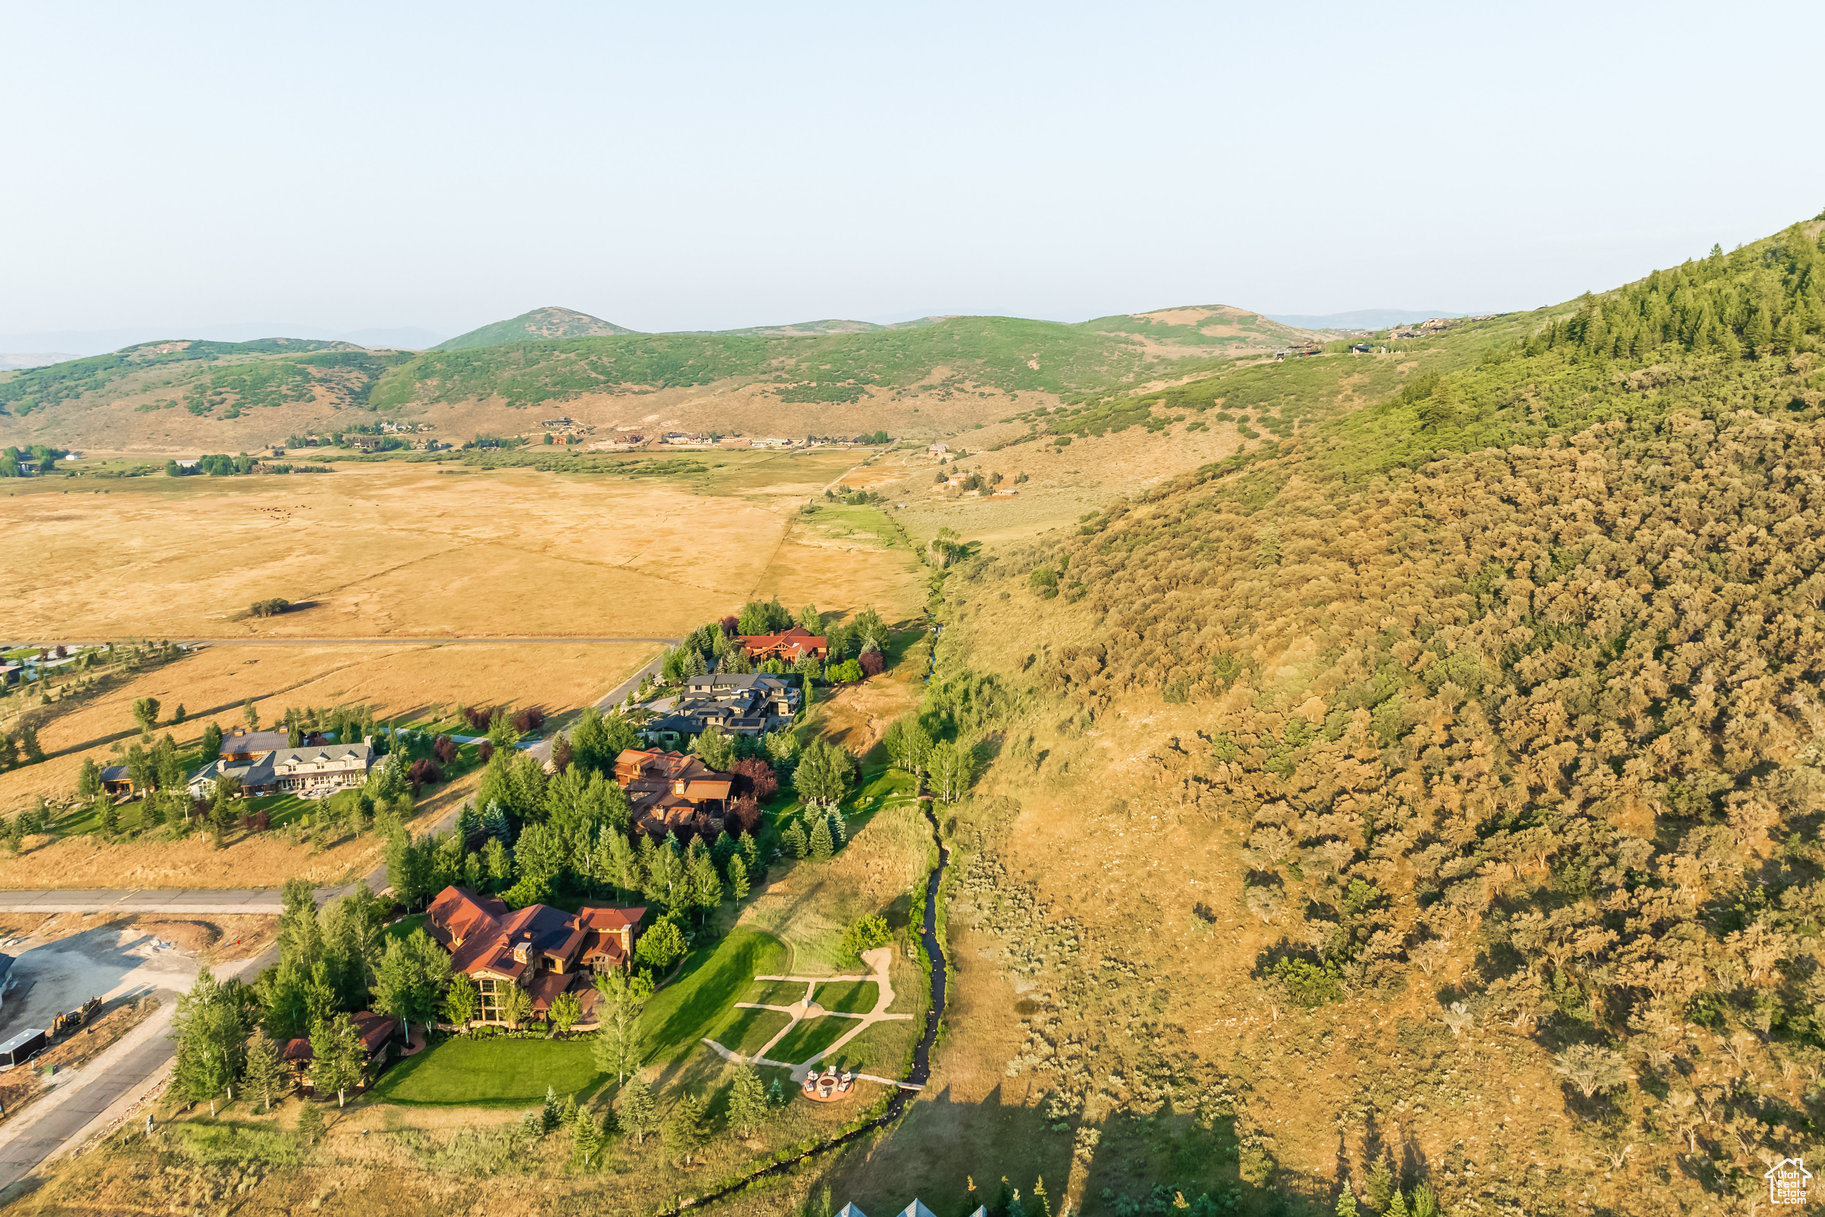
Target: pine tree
<point>639,1113</point>
<point>1379,1187</point>
<point>820,845</point>
<point>794,839</point>
<point>586,1140</point>
<point>263,1076</point>
<point>551,1114</point>
<point>338,1057</point>
<point>687,1129</point>
<point>1346,1203</point>
<point>211,1040</point>
<point>497,864</point>
<point>221,816</point>
<point>738,880</point>
<point>747,1104</point>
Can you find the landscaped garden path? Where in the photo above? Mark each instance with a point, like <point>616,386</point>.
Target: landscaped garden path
<point>807,1007</point>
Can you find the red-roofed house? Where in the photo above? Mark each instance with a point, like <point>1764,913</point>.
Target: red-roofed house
<point>788,646</point>
<point>543,950</point>
<point>672,790</point>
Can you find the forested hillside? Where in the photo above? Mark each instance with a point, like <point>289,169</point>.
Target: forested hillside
<point>1499,700</point>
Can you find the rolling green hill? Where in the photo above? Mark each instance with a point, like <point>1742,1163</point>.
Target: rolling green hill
<point>539,324</point>
<point>834,375</point>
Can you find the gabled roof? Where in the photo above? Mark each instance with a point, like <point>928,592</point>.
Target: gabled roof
<point>114,773</point>
<point>482,935</point>
<point>458,913</point>
<point>253,741</point>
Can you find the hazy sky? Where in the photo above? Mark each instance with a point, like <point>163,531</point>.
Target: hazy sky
<point>700,166</point>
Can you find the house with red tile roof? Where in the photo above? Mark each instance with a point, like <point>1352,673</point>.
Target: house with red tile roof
<point>788,646</point>
<point>543,950</point>
<point>668,791</point>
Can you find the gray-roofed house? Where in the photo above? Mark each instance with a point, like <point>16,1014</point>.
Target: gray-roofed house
<point>311,772</point>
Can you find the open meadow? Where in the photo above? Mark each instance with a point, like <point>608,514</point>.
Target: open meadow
<point>425,549</point>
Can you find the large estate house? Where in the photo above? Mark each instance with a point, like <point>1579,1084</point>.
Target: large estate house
<point>671,790</point>
<point>543,950</point>
<point>739,703</point>
<point>263,763</point>
<point>787,646</point>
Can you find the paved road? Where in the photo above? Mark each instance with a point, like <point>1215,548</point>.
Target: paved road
<point>139,900</point>
<point>53,1125</point>
<point>63,1123</point>
<point>400,640</point>
<point>62,1120</point>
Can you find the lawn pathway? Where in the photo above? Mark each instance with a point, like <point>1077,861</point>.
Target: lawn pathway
<point>877,961</point>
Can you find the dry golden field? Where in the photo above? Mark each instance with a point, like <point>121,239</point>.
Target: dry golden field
<point>424,550</point>
<point>401,679</point>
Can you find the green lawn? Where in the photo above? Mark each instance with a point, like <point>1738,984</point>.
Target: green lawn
<point>851,997</point>
<point>811,1036</point>
<point>490,1072</point>
<point>282,809</point>
<point>86,819</point>
<point>405,925</point>
<point>749,1030</point>
<point>701,1000</point>
<point>776,992</point>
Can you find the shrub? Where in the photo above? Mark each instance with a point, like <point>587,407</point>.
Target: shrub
<point>529,719</point>
<point>873,663</point>
<point>758,778</point>
<point>865,935</point>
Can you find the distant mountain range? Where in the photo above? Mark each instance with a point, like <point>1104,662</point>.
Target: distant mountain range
<point>827,376</point>
<point>74,344</point>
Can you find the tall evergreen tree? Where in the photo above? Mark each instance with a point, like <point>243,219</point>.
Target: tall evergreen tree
<point>338,1057</point>
<point>639,1111</point>
<point>263,1076</point>
<point>211,1040</point>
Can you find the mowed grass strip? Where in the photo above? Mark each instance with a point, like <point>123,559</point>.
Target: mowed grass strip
<point>702,998</point>
<point>810,1037</point>
<point>776,992</point>
<point>749,1031</point>
<point>850,996</point>
<point>489,1072</point>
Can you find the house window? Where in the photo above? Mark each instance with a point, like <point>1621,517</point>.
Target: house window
<point>488,1008</point>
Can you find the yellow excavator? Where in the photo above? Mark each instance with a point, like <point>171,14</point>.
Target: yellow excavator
<point>63,1024</point>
